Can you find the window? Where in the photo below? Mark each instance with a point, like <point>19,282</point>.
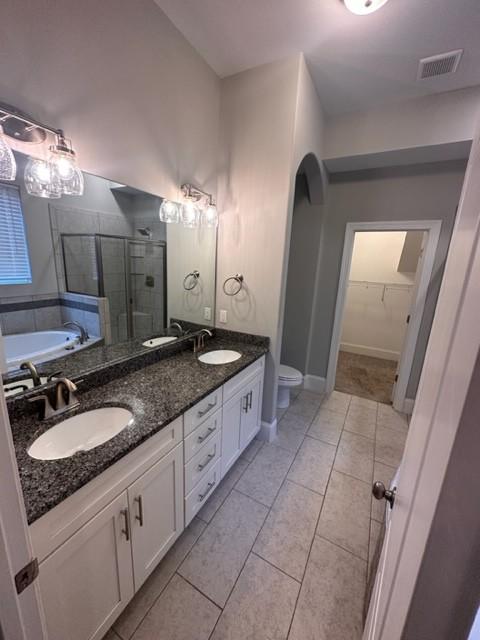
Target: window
<point>14,259</point>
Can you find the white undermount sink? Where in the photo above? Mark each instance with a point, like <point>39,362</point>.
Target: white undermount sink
<point>82,432</point>
<point>220,356</point>
<point>156,342</point>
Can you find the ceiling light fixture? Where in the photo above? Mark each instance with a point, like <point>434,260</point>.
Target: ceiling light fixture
<point>363,7</point>
<point>8,166</point>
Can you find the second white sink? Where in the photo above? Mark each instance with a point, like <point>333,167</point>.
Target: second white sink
<point>156,342</point>
<point>82,432</point>
<point>220,356</point>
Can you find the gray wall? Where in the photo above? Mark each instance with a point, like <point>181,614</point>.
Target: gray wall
<point>302,262</point>
<point>447,592</point>
<point>427,191</point>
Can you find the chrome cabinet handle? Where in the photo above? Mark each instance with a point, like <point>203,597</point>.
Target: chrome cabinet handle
<point>210,456</point>
<point>202,496</point>
<point>205,436</point>
<point>139,517</point>
<point>126,531</point>
<point>250,395</point>
<point>210,405</point>
<point>245,408</point>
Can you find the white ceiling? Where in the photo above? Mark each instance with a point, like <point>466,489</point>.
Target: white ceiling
<point>356,61</point>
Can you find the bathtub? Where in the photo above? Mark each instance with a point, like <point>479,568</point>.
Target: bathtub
<point>41,346</point>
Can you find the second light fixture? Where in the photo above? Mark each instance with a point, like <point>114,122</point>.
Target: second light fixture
<point>198,209</point>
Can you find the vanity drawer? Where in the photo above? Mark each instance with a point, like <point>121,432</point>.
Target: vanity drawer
<point>234,385</point>
<point>200,494</point>
<point>201,411</point>
<point>202,462</point>
<point>202,434</point>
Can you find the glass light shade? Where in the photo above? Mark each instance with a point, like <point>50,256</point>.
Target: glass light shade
<point>169,211</point>
<point>41,179</point>
<point>73,186</point>
<point>362,7</point>
<point>190,215</point>
<point>8,166</point>
<point>209,216</point>
<point>63,158</point>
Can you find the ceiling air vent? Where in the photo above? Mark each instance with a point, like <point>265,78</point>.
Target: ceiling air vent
<point>439,65</point>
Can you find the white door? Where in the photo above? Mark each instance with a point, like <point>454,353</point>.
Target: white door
<point>250,423</point>
<point>87,581</point>
<point>452,350</point>
<point>231,421</point>
<point>156,512</point>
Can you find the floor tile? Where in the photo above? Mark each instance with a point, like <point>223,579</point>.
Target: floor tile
<point>111,635</point>
<point>330,605</point>
<point>376,531</point>
<point>345,518</point>
<point>337,401</point>
<point>215,501</point>
<point>281,412</point>
<point>382,473</point>
<point>305,409</point>
<point>355,456</point>
<point>362,411</point>
<point>312,465</point>
<point>252,450</point>
<point>181,613</point>
<point>311,396</point>
<point>388,417</point>
<point>264,476</point>
<point>327,426</point>
<point>296,422</point>
<point>261,605</point>
<point>361,422</point>
<point>288,438</point>
<point>356,401</point>
<point>389,445</point>
<point>288,531</point>
<point>214,563</point>
<point>131,617</point>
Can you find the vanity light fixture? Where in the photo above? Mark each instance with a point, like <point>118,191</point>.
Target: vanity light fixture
<point>169,212</point>
<point>46,178</point>
<point>363,7</point>
<point>200,208</point>
<point>190,214</point>
<point>209,216</point>
<point>8,166</point>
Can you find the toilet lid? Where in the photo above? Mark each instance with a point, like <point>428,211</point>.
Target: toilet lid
<point>289,373</point>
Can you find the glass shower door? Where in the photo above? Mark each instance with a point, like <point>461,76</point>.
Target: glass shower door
<point>113,261</point>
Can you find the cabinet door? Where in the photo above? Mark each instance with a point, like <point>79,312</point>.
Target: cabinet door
<point>88,580</point>
<point>231,420</point>
<point>251,416</point>
<point>156,511</point>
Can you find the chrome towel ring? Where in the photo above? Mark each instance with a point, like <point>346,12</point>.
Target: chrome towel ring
<point>194,275</point>
<point>238,277</point>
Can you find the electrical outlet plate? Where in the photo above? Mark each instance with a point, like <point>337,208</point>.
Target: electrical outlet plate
<point>223,316</point>
<point>207,313</point>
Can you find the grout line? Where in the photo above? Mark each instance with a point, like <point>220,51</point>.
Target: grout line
<point>339,546</point>
<point>349,475</point>
<point>274,566</point>
<point>201,593</point>
<point>246,495</point>
<point>299,484</point>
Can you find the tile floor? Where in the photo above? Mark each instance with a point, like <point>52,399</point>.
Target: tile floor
<point>283,547</point>
<point>364,376</point>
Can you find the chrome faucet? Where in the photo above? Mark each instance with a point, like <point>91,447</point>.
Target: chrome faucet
<point>199,339</point>
<point>65,399</point>
<point>83,332</point>
<point>178,326</point>
<point>33,372</point>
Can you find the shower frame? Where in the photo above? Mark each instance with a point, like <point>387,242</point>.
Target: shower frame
<point>99,265</point>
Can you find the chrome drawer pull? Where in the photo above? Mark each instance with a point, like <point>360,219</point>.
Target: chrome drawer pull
<point>207,459</point>
<point>126,531</point>
<point>250,396</point>
<point>209,431</point>
<point>202,496</point>
<point>245,407</point>
<point>210,406</point>
<point>139,517</point>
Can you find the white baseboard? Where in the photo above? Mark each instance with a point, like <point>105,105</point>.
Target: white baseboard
<point>268,431</point>
<point>373,352</point>
<point>408,404</point>
<point>314,383</point>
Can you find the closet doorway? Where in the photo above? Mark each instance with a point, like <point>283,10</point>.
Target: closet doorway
<point>386,270</point>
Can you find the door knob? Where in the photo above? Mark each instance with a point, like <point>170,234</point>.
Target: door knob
<point>380,493</point>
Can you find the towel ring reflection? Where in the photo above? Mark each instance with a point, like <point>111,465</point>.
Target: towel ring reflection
<point>239,280</point>
<point>195,276</point>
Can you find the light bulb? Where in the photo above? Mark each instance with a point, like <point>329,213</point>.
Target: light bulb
<point>41,179</point>
<point>169,211</point>
<point>362,7</point>
<point>64,166</point>
<point>8,166</point>
<point>190,215</point>
<point>209,216</point>
<point>74,185</point>
<point>63,158</point>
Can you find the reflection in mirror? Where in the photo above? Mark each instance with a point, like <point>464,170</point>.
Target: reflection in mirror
<point>103,264</point>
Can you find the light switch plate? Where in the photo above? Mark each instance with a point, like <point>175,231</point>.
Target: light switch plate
<point>223,316</point>
<point>207,313</point>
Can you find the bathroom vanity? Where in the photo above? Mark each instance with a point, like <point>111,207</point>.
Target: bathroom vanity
<point>101,520</point>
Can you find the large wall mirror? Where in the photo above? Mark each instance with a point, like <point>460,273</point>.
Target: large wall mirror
<point>103,260</point>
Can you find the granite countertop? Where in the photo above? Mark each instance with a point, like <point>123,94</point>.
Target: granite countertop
<point>156,395</point>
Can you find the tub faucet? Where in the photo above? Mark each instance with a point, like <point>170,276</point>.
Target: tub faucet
<point>83,332</point>
<point>33,372</point>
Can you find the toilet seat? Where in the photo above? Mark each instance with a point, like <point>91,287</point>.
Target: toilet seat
<point>289,374</point>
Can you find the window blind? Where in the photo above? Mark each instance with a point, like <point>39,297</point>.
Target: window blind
<point>14,258</point>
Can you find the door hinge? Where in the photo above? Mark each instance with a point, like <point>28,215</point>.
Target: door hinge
<point>396,377</point>
<point>27,575</point>
<point>408,318</point>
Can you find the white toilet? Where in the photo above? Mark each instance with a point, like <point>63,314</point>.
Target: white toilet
<point>288,377</point>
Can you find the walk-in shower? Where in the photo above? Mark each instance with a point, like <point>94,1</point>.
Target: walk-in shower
<point>130,272</point>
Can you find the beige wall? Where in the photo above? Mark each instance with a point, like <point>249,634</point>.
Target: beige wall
<point>139,102</point>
